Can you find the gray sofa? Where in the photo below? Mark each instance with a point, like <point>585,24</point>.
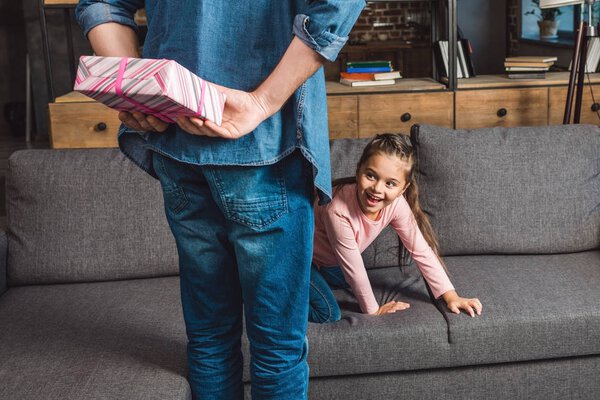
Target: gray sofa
<point>90,306</point>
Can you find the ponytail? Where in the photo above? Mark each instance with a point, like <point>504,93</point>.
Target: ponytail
<point>412,198</point>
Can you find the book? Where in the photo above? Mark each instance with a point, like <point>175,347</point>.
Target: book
<point>468,51</point>
<point>527,59</point>
<point>535,75</point>
<point>536,69</point>
<point>593,55</point>
<point>368,69</point>
<point>354,83</point>
<point>442,52</point>
<point>363,64</point>
<point>462,59</point>
<point>368,76</point>
<point>528,64</point>
<point>387,75</point>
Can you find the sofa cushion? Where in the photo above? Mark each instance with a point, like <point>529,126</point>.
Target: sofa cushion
<point>84,215</point>
<point>415,338</point>
<point>345,154</point>
<point>534,307</point>
<point>527,190</point>
<point>108,340</point>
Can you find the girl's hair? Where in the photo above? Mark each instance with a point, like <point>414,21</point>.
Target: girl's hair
<point>400,146</point>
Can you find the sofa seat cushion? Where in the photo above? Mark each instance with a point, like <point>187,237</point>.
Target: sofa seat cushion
<point>106,340</point>
<point>358,344</point>
<point>534,307</point>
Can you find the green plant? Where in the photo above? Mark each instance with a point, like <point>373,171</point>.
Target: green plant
<point>547,14</point>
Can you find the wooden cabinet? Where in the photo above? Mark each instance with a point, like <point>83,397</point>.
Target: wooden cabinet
<point>501,107</point>
<point>76,121</point>
<point>590,109</point>
<point>399,111</point>
<point>342,112</point>
<point>483,101</point>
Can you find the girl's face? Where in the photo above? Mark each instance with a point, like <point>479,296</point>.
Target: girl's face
<point>380,181</point>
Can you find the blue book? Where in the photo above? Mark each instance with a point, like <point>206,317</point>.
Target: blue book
<point>368,69</point>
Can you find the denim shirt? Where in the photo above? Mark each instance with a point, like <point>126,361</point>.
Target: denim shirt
<point>237,44</point>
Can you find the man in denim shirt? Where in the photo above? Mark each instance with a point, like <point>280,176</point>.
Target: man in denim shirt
<point>238,196</point>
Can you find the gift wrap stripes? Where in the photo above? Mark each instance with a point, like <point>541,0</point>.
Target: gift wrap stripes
<point>162,88</point>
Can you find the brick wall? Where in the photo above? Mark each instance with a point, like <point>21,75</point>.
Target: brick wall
<point>406,21</point>
<point>512,29</point>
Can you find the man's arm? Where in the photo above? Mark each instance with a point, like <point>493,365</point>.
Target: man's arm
<point>111,30</point>
<point>319,35</point>
<point>114,40</point>
<point>245,110</point>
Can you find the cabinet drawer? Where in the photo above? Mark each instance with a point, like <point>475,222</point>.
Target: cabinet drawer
<point>85,124</point>
<point>501,107</point>
<point>558,99</point>
<point>396,113</point>
<point>342,113</point>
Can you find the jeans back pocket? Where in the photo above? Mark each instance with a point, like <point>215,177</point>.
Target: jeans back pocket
<point>254,196</point>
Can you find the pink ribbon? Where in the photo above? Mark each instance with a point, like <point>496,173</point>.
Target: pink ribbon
<point>145,109</point>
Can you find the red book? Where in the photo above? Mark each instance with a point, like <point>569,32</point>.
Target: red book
<point>358,76</point>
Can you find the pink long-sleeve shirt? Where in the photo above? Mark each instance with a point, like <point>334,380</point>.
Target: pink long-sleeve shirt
<point>343,232</point>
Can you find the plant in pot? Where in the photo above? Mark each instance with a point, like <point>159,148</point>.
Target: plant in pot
<point>546,20</point>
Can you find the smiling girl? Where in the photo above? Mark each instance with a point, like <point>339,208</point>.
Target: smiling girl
<point>383,192</point>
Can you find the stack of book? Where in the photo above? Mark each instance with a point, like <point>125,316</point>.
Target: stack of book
<point>369,73</point>
<point>593,55</point>
<point>464,62</point>
<point>528,67</point>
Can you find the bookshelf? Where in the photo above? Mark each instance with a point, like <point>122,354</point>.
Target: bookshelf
<point>484,100</point>
<point>65,6</point>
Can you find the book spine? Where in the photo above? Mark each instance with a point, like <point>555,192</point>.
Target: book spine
<point>358,76</point>
<point>463,61</point>
<point>363,64</point>
<point>468,51</point>
<point>368,69</point>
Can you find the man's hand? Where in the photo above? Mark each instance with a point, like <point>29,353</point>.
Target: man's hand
<point>141,122</point>
<point>242,113</point>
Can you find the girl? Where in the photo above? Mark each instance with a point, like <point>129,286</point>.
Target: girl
<point>383,192</point>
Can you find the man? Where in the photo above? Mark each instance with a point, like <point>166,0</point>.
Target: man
<point>238,196</point>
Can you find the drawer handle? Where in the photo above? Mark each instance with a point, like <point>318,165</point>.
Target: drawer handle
<point>502,112</point>
<point>596,107</point>
<point>101,126</point>
<point>405,117</point>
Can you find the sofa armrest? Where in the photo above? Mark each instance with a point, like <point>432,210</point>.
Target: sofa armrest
<point>3,259</point>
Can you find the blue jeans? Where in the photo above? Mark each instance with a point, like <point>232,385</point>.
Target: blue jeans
<point>244,239</point>
<point>323,306</point>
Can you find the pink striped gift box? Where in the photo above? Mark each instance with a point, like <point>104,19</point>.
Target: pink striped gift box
<point>162,88</point>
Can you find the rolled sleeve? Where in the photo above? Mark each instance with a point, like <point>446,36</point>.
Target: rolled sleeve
<point>90,14</point>
<point>326,25</point>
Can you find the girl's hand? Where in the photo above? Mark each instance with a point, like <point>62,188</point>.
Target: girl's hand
<point>456,303</point>
<point>141,122</point>
<point>392,307</point>
<point>243,112</point>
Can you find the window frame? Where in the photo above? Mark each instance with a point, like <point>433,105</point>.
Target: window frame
<point>565,38</point>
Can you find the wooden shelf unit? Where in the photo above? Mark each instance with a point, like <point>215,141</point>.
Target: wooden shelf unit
<point>482,101</point>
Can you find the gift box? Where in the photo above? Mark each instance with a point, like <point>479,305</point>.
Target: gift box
<point>162,88</point>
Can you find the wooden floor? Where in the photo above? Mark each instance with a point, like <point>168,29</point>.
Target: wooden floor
<point>8,145</point>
